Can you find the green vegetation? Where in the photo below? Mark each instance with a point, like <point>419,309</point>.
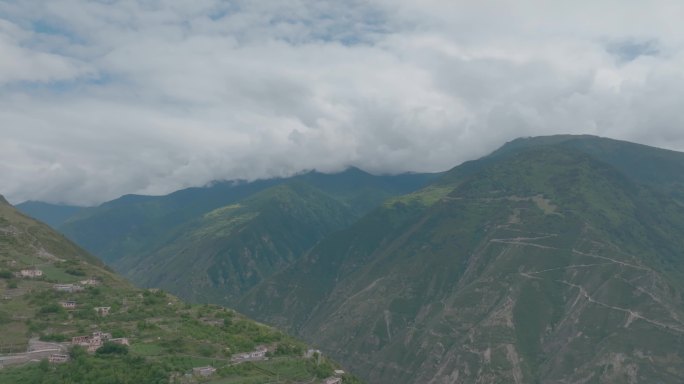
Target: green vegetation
<point>104,369</point>
<point>213,244</point>
<point>426,196</point>
<point>138,225</point>
<point>231,249</point>
<point>552,260</point>
<point>168,338</point>
<point>109,348</point>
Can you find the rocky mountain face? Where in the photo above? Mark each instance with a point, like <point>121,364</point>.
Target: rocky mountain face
<point>553,260</point>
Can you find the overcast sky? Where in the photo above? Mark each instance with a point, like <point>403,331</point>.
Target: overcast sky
<point>103,98</point>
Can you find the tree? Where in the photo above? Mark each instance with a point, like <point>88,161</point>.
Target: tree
<point>110,348</point>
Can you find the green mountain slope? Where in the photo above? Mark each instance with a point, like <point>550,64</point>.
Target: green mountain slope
<point>546,263</point>
<point>129,335</point>
<point>227,251</point>
<point>27,241</point>
<point>658,168</point>
<point>134,225</point>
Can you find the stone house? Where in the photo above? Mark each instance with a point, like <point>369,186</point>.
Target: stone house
<point>69,304</point>
<point>102,311</point>
<point>31,273</point>
<point>92,343</point>
<point>259,352</point>
<point>204,371</point>
<point>58,358</point>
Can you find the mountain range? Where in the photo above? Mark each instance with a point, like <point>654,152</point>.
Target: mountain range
<point>212,244</point>
<point>553,260</point>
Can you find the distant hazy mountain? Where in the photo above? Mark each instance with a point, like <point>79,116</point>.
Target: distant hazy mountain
<point>52,214</point>
<point>214,243</point>
<point>554,260</point>
<point>219,256</point>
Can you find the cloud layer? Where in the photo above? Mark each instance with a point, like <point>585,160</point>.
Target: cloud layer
<point>102,98</point>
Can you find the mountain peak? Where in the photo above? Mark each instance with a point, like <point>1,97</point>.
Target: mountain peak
<point>3,201</point>
<point>355,170</point>
<point>656,167</point>
<point>536,141</point>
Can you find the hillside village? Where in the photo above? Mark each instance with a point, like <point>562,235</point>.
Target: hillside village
<point>60,313</point>
<point>54,309</point>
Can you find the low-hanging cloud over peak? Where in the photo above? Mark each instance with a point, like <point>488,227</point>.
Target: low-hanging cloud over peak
<point>98,99</point>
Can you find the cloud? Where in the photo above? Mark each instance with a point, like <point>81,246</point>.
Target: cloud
<point>98,99</point>
<point>628,50</point>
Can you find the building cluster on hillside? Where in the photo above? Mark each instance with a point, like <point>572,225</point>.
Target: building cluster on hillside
<point>96,340</point>
<point>90,281</point>
<point>30,273</point>
<point>259,353</point>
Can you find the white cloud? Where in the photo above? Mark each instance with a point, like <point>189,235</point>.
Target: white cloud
<point>98,99</point>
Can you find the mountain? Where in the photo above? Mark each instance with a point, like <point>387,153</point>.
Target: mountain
<point>213,244</point>
<point>135,225</point>
<point>658,168</point>
<point>219,256</point>
<point>25,241</point>
<point>53,215</point>
<point>60,303</point>
<point>553,260</point>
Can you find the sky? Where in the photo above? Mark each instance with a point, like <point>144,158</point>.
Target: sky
<point>104,98</point>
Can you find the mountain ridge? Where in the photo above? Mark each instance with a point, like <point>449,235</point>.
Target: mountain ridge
<point>231,248</point>
<point>53,215</point>
<point>164,241</point>
<point>413,283</point>
<point>137,224</point>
